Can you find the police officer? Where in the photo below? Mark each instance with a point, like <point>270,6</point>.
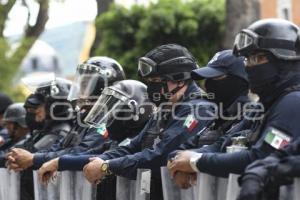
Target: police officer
<point>226,83</point>
<point>91,78</point>
<point>125,108</point>
<point>166,71</point>
<point>262,178</point>
<point>46,108</point>
<point>5,101</point>
<point>14,122</point>
<point>271,48</point>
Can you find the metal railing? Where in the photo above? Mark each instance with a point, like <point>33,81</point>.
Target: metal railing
<point>70,185</point>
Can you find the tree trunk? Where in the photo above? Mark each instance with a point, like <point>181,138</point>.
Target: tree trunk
<point>42,18</point>
<point>102,6</point>
<point>4,10</point>
<point>239,14</point>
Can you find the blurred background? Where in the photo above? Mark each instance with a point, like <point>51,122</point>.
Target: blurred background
<point>53,36</point>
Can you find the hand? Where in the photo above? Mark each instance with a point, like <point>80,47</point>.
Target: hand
<point>92,170</point>
<point>251,189</point>
<point>185,180</point>
<point>181,162</point>
<point>48,171</point>
<point>19,159</point>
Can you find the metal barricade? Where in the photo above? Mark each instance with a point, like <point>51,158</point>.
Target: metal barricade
<point>138,189</point>
<point>46,192</point>
<point>68,185</point>
<point>296,188</point>
<point>207,188</point>
<point>172,192</point>
<point>9,184</point>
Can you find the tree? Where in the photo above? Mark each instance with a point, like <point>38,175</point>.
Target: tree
<point>102,7</point>
<point>128,34</point>
<point>239,14</point>
<point>12,58</point>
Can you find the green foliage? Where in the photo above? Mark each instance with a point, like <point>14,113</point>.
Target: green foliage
<point>128,34</point>
<point>9,65</point>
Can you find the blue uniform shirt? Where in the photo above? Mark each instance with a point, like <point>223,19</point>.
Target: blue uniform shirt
<point>282,121</point>
<point>194,114</point>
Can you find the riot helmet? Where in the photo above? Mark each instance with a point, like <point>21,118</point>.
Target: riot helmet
<point>15,113</point>
<point>279,37</point>
<point>124,102</point>
<point>171,61</point>
<point>93,76</point>
<point>52,92</point>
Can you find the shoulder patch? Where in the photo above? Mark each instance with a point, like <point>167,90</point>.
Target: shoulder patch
<point>277,138</point>
<point>102,130</point>
<point>190,122</point>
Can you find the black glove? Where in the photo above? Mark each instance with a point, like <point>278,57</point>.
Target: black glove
<point>251,188</point>
<point>288,167</point>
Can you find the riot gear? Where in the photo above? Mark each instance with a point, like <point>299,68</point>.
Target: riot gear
<point>125,102</point>
<point>171,61</point>
<point>93,76</point>
<point>15,113</point>
<point>277,36</point>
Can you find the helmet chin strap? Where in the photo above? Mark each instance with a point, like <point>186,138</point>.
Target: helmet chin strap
<point>172,92</point>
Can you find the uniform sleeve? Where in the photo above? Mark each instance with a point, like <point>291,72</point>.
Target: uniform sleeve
<point>282,127</point>
<point>91,140</point>
<point>77,162</point>
<point>152,158</point>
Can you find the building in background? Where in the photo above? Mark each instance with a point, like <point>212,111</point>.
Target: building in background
<point>285,9</point>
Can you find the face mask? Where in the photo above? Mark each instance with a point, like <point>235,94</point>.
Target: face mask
<point>154,93</point>
<point>31,123</point>
<point>226,90</point>
<point>262,78</point>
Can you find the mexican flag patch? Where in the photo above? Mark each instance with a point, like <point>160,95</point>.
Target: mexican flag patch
<point>277,139</point>
<point>190,123</point>
<point>102,130</point>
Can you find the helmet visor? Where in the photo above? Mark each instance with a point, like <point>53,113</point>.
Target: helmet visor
<point>106,108</point>
<point>34,81</point>
<point>88,83</point>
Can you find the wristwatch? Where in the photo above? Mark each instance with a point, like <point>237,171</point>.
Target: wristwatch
<point>105,167</point>
<point>193,161</point>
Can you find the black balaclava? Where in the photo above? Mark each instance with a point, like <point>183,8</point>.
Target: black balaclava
<point>226,90</point>
<point>154,92</point>
<point>269,80</point>
<point>33,101</point>
<point>32,124</point>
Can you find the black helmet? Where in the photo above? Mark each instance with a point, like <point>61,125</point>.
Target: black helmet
<point>15,113</point>
<point>5,101</point>
<point>277,36</point>
<point>124,101</point>
<point>58,88</point>
<point>93,76</point>
<point>171,61</point>
<point>55,95</point>
<point>52,92</point>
